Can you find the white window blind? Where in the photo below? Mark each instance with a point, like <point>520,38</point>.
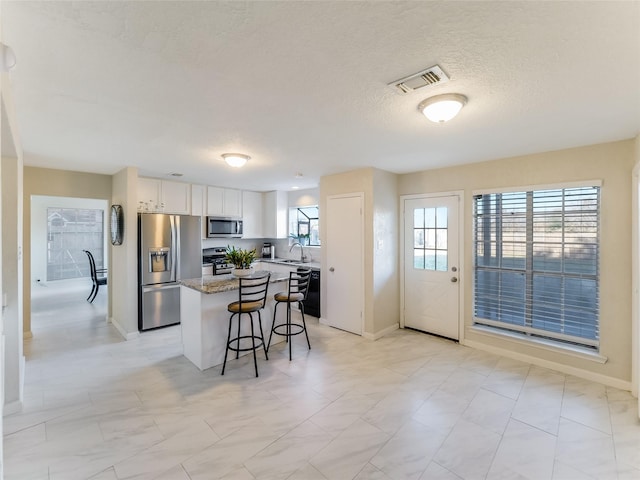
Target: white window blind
<point>536,262</point>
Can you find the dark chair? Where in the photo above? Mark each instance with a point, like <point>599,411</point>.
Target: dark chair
<point>97,280</point>
<point>297,292</point>
<point>252,297</point>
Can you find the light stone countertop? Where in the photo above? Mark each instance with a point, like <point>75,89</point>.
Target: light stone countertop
<point>284,261</point>
<point>227,283</point>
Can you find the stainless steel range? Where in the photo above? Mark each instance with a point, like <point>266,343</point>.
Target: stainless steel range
<point>216,257</point>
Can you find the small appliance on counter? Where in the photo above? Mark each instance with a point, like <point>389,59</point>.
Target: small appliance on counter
<point>266,250</point>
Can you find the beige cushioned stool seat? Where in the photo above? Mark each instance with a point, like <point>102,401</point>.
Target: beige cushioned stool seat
<point>246,307</point>
<point>288,297</point>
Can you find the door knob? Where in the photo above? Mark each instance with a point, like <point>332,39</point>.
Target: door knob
<point>454,279</point>
<point>332,269</point>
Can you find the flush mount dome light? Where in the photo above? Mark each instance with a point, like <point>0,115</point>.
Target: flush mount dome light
<point>442,108</point>
<point>236,160</point>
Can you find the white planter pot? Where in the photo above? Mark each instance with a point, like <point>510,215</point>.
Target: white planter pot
<point>242,272</point>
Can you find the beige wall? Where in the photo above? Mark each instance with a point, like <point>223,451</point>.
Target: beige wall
<point>124,258</point>
<point>612,163</point>
<point>381,302</point>
<point>386,304</point>
<point>56,183</point>
<point>635,256</point>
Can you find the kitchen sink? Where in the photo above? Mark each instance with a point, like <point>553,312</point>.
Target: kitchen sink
<point>288,260</point>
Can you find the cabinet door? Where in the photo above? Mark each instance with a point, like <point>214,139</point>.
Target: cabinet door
<point>252,214</point>
<point>176,197</point>
<point>149,194</point>
<point>215,201</point>
<point>232,202</point>
<point>198,203</point>
<point>275,214</point>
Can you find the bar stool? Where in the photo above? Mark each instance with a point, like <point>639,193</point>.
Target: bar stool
<point>297,292</point>
<point>252,296</point>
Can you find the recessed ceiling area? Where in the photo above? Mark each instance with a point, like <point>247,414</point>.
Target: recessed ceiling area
<point>303,86</point>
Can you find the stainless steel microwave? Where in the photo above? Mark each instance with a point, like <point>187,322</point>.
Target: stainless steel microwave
<point>224,227</point>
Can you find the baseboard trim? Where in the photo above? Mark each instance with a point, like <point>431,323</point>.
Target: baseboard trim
<point>379,334</point>
<point>578,372</point>
<point>126,335</point>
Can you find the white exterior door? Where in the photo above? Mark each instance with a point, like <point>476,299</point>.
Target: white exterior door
<point>431,265</point>
<point>345,263</point>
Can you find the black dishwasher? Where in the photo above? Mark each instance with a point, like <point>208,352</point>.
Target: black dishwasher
<point>312,303</point>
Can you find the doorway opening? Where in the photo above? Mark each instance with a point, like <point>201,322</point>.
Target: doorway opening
<point>61,229</point>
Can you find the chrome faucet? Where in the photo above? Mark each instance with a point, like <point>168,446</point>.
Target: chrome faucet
<point>302,257</point>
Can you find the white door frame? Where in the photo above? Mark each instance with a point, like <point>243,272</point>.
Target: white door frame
<point>325,259</point>
<point>461,260</point>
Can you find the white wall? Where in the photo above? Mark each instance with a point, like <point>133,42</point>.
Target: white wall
<point>304,198</point>
<point>11,329</point>
<point>39,205</point>
<point>11,284</point>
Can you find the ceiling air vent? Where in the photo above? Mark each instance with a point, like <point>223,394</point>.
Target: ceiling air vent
<point>431,76</point>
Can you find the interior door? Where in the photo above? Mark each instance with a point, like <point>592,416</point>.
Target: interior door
<point>345,263</point>
<point>431,265</point>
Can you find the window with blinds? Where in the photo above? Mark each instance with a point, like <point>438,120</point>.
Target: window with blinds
<point>536,262</point>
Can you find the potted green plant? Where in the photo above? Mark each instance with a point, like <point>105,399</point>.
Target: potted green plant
<point>241,260</point>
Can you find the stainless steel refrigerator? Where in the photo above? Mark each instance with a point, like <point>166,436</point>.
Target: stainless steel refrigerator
<point>169,250</point>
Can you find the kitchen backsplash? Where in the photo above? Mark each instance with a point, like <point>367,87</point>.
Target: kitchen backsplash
<point>313,254</point>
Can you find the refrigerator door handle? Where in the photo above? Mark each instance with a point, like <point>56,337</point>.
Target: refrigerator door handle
<point>154,288</point>
<point>174,246</point>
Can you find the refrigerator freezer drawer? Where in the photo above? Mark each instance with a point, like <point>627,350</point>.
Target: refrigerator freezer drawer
<point>160,306</point>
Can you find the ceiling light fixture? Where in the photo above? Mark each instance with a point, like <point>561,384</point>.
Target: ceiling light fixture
<point>7,58</point>
<point>236,160</point>
<point>442,108</point>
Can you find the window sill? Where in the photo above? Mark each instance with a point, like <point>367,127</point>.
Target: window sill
<point>541,343</point>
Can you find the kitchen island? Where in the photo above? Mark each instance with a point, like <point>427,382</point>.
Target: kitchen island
<point>204,318</point>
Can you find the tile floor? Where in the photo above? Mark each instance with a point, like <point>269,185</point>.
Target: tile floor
<point>406,406</point>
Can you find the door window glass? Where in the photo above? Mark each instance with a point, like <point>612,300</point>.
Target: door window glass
<point>430,239</point>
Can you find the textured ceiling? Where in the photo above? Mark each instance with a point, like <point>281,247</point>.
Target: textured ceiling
<point>302,86</point>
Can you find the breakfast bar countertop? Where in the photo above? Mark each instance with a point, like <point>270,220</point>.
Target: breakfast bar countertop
<point>226,283</point>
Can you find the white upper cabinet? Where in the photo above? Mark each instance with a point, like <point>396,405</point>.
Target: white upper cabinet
<point>233,202</point>
<point>224,202</point>
<point>149,194</point>
<point>274,214</point>
<point>155,195</point>
<point>176,197</point>
<point>198,200</point>
<point>252,214</point>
